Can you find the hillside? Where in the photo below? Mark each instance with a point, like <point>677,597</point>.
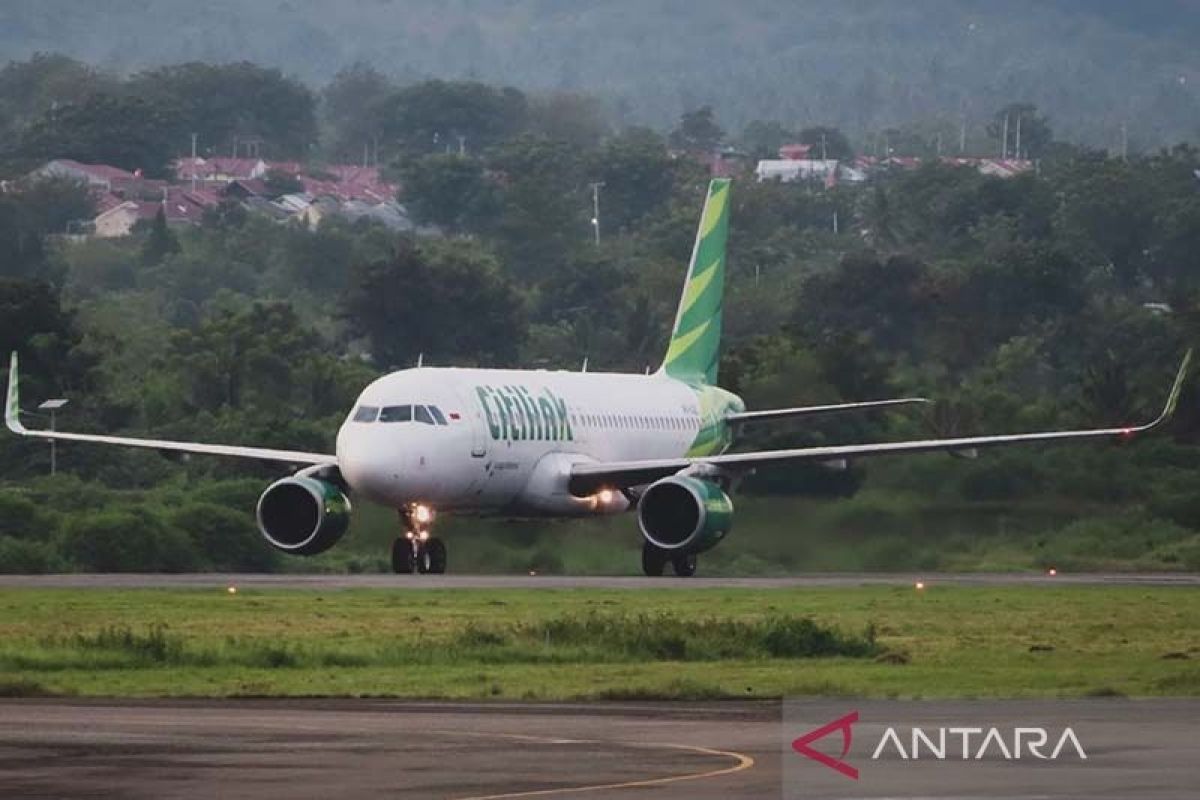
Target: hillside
<point>1092,66</point>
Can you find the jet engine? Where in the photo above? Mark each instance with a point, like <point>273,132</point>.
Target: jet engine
<point>684,515</point>
<point>303,515</point>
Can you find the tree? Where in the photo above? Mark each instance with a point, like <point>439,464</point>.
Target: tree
<point>827,142</point>
<point>578,119</point>
<point>33,320</point>
<point>1029,133</point>
<point>22,248</point>
<point>638,175</point>
<point>448,116</point>
<point>51,204</point>
<point>445,299</point>
<point>250,357</point>
<point>29,89</point>
<point>351,107</point>
<point>1106,212</point>
<point>160,241</point>
<point>449,190</point>
<point>544,203</point>
<point>697,131</point>
<point>763,138</point>
<point>226,103</point>
<point>119,130</point>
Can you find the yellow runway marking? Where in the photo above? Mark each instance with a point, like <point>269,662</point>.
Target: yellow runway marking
<point>744,762</point>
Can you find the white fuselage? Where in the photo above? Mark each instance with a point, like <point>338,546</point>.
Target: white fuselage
<point>503,441</point>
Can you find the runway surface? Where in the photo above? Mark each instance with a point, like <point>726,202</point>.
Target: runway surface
<point>702,751</point>
<point>211,580</point>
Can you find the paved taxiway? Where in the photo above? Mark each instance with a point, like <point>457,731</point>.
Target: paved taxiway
<point>214,580</point>
<point>701,751</point>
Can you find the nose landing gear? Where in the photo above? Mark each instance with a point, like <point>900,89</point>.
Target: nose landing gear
<point>418,551</point>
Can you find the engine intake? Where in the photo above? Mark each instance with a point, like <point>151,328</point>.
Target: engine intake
<point>302,515</point>
<point>682,514</point>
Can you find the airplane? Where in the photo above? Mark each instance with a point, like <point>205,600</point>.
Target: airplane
<point>541,443</point>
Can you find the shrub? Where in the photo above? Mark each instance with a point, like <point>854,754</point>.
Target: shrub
<point>128,541</point>
<point>226,538</point>
<point>20,517</point>
<point>22,556</point>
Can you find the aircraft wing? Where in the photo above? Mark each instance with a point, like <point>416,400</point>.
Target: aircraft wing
<point>589,478</point>
<point>772,414</point>
<point>12,419</point>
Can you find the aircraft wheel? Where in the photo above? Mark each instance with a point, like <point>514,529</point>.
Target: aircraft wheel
<point>403,559</point>
<point>435,556</point>
<point>424,558</point>
<point>654,560</point>
<point>684,566</point>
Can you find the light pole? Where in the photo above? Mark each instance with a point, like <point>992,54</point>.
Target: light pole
<point>52,407</point>
<point>596,187</point>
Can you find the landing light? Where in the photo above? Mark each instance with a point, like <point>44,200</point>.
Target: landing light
<point>1052,572</point>
<point>920,586</point>
<point>423,535</point>
<point>606,496</point>
<point>232,590</point>
<point>422,513</point>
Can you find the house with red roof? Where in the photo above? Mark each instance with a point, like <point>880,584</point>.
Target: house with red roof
<point>100,176</point>
<point>219,169</point>
<point>179,207</point>
<point>795,152</point>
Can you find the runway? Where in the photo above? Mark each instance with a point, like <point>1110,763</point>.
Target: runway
<point>814,580</point>
<point>702,751</point>
<point>350,749</point>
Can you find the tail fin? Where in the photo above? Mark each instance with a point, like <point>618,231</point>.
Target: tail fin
<point>696,338</point>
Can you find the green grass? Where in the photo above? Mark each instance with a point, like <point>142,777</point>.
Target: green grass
<point>559,644</point>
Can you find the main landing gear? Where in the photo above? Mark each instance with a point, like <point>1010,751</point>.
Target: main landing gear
<point>417,550</point>
<point>655,560</point>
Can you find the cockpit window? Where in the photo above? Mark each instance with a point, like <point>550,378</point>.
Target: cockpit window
<point>396,414</point>
<point>421,414</point>
<point>437,415</point>
<point>366,413</point>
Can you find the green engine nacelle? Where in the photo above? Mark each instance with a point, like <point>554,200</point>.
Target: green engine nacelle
<point>303,516</point>
<point>682,514</point>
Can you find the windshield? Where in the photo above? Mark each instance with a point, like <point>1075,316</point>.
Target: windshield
<point>396,414</point>
<point>366,413</point>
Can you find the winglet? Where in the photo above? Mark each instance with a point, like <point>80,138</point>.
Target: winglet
<point>12,403</point>
<point>1176,388</point>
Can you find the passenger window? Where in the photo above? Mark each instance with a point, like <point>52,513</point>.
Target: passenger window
<point>421,414</point>
<point>366,413</point>
<point>437,415</point>
<point>396,414</point>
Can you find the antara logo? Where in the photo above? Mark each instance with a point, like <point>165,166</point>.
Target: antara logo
<point>940,744</point>
<point>844,725</point>
<point>514,414</point>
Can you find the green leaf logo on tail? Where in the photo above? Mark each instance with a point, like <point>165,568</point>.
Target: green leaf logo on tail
<point>696,338</point>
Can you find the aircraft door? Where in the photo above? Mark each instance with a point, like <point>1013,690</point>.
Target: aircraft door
<point>473,417</point>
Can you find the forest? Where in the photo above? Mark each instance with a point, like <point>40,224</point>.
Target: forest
<point>1064,296</point>
<point>1103,66</point>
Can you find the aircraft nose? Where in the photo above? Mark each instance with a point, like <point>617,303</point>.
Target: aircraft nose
<point>367,463</point>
